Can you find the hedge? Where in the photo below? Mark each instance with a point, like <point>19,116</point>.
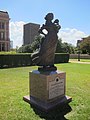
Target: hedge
<point>61,58</point>
<point>82,56</point>
<point>16,60</point>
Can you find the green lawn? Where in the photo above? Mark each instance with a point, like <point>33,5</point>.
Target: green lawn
<point>10,52</point>
<point>14,85</point>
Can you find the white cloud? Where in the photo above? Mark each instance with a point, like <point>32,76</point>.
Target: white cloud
<point>71,35</point>
<point>67,34</point>
<point>16,33</point>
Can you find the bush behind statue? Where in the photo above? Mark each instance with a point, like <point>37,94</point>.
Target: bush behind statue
<point>17,60</point>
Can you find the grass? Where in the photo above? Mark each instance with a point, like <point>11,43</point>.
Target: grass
<point>10,52</point>
<point>14,85</point>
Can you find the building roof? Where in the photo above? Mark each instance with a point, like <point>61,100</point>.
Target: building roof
<point>4,14</point>
<point>3,11</point>
<point>32,24</point>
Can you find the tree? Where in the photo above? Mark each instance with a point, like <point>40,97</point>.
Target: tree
<point>37,43</point>
<point>31,47</point>
<point>85,45</point>
<point>61,47</point>
<point>25,49</point>
<point>64,47</point>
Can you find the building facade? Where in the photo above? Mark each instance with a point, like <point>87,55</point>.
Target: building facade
<point>30,30</point>
<point>4,31</point>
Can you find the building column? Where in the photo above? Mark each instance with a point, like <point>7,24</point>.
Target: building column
<point>1,46</point>
<point>8,47</point>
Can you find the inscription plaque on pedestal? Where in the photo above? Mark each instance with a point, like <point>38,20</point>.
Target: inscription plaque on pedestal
<point>56,87</point>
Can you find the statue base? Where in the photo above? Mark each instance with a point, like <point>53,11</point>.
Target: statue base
<point>47,90</point>
<point>47,68</point>
<point>47,106</point>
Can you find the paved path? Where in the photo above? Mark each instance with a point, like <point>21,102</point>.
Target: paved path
<point>79,62</point>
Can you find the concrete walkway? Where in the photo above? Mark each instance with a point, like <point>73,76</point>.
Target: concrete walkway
<point>71,61</point>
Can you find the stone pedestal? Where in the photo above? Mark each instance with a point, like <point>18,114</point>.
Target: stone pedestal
<point>47,89</point>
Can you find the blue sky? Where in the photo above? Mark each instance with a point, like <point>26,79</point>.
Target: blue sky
<point>74,16</point>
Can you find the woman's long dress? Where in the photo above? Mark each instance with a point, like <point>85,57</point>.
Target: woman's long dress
<point>45,56</point>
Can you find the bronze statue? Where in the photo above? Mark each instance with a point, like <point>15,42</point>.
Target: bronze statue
<point>46,53</point>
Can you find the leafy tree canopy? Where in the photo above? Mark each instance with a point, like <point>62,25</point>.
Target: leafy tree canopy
<point>61,47</point>
<point>85,45</point>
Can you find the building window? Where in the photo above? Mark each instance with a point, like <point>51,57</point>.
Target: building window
<point>2,47</point>
<point>2,25</point>
<point>2,36</point>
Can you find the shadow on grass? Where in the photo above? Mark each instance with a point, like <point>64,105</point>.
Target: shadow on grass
<point>54,114</point>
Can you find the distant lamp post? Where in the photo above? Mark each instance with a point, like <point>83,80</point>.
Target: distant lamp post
<point>78,46</point>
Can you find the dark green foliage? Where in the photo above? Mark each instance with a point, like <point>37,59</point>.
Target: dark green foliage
<point>61,58</point>
<point>64,47</point>
<point>25,49</point>
<point>68,48</point>
<point>37,43</point>
<point>15,60</point>
<point>31,47</point>
<point>85,45</point>
<point>61,47</point>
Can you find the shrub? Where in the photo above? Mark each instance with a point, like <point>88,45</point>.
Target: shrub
<point>15,60</point>
<point>61,58</point>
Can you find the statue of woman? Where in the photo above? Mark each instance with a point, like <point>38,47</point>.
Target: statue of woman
<point>45,56</point>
